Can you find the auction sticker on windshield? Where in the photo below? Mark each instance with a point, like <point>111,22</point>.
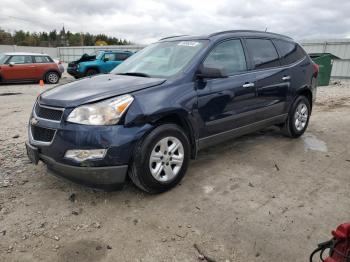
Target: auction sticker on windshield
<point>188,43</point>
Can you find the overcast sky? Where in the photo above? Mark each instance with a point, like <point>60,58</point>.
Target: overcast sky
<point>145,21</point>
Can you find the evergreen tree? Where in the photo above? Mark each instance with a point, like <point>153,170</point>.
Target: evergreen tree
<point>55,39</point>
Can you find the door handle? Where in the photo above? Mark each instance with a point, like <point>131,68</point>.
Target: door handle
<point>285,78</point>
<point>246,85</point>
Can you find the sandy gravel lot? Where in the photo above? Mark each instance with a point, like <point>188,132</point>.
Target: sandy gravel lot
<point>262,197</point>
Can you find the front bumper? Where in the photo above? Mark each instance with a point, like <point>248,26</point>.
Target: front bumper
<point>103,177</point>
<point>75,73</point>
<point>107,173</point>
<point>107,178</point>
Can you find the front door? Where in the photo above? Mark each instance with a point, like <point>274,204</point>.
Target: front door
<point>110,62</point>
<point>19,67</point>
<point>225,104</point>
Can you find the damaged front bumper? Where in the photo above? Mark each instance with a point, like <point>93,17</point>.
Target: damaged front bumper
<point>108,172</point>
<point>75,73</point>
<point>107,177</point>
<point>99,177</point>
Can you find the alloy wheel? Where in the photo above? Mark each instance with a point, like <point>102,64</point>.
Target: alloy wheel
<point>52,78</point>
<point>166,159</point>
<point>301,116</point>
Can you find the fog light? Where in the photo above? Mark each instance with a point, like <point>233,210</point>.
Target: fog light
<point>82,155</point>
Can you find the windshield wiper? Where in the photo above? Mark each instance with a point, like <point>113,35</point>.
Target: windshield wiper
<point>134,74</point>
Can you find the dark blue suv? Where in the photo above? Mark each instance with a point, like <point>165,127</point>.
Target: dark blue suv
<point>151,115</point>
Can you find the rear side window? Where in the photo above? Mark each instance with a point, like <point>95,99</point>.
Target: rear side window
<point>42,59</point>
<point>20,59</point>
<point>121,57</point>
<point>290,52</point>
<point>263,53</point>
<point>227,56</point>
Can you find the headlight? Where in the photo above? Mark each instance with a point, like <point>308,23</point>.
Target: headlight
<point>107,112</point>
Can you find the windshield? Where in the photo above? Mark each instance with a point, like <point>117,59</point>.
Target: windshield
<point>3,58</point>
<point>163,59</point>
<point>99,54</point>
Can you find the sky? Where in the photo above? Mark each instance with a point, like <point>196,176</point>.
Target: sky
<point>146,21</point>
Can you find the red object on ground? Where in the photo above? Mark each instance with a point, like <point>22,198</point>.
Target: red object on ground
<point>339,246</point>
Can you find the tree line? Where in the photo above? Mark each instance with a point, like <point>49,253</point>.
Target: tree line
<point>55,39</point>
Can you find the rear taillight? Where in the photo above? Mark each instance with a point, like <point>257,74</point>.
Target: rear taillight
<point>316,69</point>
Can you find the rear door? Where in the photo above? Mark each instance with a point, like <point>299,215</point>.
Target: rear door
<point>293,60</point>
<point>42,65</point>
<point>271,79</point>
<point>19,67</point>
<point>120,57</point>
<point>226,103</point>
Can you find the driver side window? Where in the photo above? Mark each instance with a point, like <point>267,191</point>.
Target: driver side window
<point>20,59</point>
<point>227,56</point>
<point>109,57</point>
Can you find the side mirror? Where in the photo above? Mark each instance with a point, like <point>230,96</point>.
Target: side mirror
<point>11,63</point>
<point>210,72</point>
<point>105,59</point>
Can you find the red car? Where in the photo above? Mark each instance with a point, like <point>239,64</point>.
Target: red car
<point>23,67</point>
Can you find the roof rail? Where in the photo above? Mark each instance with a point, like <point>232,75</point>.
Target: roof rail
<point>115,50</point>
<point>171,37</point>
<point>248,31</point>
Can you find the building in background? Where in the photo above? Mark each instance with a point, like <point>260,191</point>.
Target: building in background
<point>336,47</point>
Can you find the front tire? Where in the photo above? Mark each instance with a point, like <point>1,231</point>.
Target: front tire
<point>161,159</point>
<point>52,78</point>
<point>298,118</point>
<point>91,72</point>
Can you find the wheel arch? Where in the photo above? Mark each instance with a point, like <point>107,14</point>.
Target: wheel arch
<point>307,93</point>
<point>182,121</point>
<point>92,67</point>
<point>48,71</point>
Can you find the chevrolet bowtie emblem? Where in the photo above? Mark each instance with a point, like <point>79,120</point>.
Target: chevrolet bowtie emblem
<point>34,121</point>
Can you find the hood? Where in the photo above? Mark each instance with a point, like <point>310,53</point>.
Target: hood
<point>84,58</point>
<point>95,88</point>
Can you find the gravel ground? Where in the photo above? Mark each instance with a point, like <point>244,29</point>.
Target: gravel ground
<point>262,197</point>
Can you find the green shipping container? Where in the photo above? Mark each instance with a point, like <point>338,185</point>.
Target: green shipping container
<point>325,62</point>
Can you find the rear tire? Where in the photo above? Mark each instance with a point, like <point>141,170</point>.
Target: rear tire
<point>91,72</point>
<point>52,77</point>
<point>298,118</point>
<point>161,159</point>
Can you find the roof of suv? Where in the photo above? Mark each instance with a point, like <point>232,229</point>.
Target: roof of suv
<point>230,33</point>
<point>116,51</point>
<point>25,53</point>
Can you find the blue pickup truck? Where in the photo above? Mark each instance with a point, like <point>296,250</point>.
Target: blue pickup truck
<point>102,62</point>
